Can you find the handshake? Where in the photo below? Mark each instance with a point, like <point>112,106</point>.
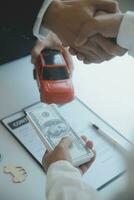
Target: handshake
<point>89,28</point>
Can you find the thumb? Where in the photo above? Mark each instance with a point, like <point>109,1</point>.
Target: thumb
<point>66,142</point>
<point>107,6</point>
<point>39,46</point>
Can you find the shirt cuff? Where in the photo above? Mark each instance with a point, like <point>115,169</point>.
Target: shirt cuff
<point>125,36</point>
<point>63,165</point>
<point>38,30</point>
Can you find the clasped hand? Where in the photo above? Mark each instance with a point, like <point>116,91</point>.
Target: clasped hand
<point>68,19</point>
<point>83,25</point>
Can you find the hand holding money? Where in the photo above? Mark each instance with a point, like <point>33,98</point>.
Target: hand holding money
<point>61,152</point>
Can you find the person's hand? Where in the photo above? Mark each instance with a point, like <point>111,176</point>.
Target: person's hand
<point>89,144</point>
<point>106,25</point>
<point>67,18</point>
<point>97,48</point>
<point>61,152</point>
<point>52,42</point>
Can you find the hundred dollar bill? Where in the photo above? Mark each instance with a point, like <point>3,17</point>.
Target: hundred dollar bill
<point>52,127</point>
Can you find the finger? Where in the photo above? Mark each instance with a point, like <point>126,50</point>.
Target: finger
<point>39,46</point>
<point>46,155</point>
<point>98,49</point>
<point>84,138</point>
<point>72,51</point>
<point>92,58</point>
<point>52,41</point>
<point>89,144</point>
<point>107,6</point>
<point>87,62</point>
<point>80,56</point>
<point>85,166</point>
<point>68,58</point>
<point>110,47</point>
<point>99,13</point>
<point>100,54</point>
<point>65,142</point>
<point>92,159</point>
<point>93,61</point>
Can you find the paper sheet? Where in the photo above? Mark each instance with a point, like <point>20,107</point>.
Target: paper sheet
<point>109,161</point>
<point>20,127</point>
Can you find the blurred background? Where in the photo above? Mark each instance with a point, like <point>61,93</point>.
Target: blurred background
<point>126,5</point>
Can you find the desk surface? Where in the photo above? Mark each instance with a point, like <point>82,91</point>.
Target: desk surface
<point>102,87</point>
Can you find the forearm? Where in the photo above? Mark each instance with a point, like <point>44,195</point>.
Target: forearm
<point>65,182</point>
<point>125,36</point>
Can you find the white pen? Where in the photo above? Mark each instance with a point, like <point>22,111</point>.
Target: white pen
<point>109,138</point>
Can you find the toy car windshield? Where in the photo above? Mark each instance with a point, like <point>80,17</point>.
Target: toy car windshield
<point>53,57</point>
<point>55,73</point>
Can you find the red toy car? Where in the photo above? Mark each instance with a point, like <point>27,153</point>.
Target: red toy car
<point>54,77</point>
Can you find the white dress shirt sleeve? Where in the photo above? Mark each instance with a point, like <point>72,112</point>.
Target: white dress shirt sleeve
<point>64,182</point>
<point>125,36</point>
<point>38,30</point>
